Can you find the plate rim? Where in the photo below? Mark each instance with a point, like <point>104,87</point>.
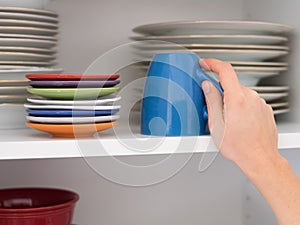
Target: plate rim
<point>29,69</point>
<point>28,40</point>
<point>219,36</point>
<point>28,36</point>
<point>72,119</point>
<point>35,63</point>
<point>64,76</point>
<point>70,102</point>
<point>27,49</point>
<point>28,54</point>
<point>26,9</point>
<point>284,88</point>
<point>73,83</point>
<point>28,16</point>
<point>83,107</point>
<point>30,28</point>
<point>138,29</point>
<point>18,22</point>
<point>216,46</point>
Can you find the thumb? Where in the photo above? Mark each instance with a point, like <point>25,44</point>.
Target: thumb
<point>215,111</point>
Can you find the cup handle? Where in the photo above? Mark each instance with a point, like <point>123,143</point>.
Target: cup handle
<point>204,76</point>
<point>213,81</point>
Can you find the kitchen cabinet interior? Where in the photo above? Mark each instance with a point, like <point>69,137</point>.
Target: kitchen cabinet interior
<point>219,195</point>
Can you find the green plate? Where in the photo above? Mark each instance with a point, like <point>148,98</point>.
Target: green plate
<point>72,93</point>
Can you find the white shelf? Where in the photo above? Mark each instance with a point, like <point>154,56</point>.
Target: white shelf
<point>30,144</point>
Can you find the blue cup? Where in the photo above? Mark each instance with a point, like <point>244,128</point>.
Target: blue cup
<point>173,102</point>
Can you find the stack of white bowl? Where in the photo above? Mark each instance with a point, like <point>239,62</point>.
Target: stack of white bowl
<point>28,40</point>
<point>255,49</point>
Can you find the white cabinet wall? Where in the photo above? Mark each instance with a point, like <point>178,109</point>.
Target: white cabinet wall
<point>286,12</point>
<point>220,195</point>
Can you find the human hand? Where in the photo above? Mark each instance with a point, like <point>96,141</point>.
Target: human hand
<point>242,125</point>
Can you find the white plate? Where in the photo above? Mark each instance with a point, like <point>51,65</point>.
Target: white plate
<point>95,119</point>
<point>209,27</point>
<point>29,36</point>
<point>244,63</point>
<point>236,63</point>
<point>18,67</point>
<point>9,83</point>
<point>225,54</point>
<point>217,39</point>
<point>79,102</point>
<point>13,67</point>
<point>154,46</point>
<point>28,10</point>
<point>246,78</point>
<point>27,16</point>
<point>24,42</point>
<point>27,49</point>
<point>17,90</point>
<point>249,78</point>
<point>79,107</point>
<point>252,78</point>
<point>19,74</point>
<point>273,96</point>
<point>249,70</point>
<point>12,116</point>
<point>260,68</point>
<point>27,63</point>
<point>22,56</point>
<point>13,98</point>
<point>279,105</point>
<point>281,111</point>
<point>11,22</point>
<point>27,30</point>
<point>270,88</point>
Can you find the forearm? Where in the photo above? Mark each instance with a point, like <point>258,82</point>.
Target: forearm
<point>280,187</point>
<point>244,129</point>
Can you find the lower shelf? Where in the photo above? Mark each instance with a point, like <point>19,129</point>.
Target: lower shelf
<point>120,141</point>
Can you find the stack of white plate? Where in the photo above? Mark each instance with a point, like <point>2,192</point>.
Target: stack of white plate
<point>13,83</point>
<point>27,36</point>
<point>255,49</point>
<point>28,40</point>
<point>13,93</point>
<point>27,45</point>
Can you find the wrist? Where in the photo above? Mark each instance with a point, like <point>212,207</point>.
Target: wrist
<point>263,166</point>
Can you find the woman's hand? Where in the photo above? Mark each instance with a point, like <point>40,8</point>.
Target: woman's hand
<point>242,126</point>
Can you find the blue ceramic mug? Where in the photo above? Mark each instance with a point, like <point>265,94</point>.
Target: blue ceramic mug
<point>173,102</point>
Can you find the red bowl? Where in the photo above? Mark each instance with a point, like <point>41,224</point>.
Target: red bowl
<point>36,206</point>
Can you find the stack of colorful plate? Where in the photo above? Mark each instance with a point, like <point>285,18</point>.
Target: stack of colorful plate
<point>72,105</point>
<point>253,48</point>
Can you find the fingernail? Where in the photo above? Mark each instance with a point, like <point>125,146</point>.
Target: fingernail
<point>204,65</point>
<point>205,87</point>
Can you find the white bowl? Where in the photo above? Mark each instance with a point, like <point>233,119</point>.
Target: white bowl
<point>12,116</point>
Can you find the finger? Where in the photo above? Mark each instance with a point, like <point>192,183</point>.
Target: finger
<point>225,71</point>
<point>215,111</point>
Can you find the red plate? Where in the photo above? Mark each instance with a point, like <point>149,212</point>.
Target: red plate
<point>72,76</point>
